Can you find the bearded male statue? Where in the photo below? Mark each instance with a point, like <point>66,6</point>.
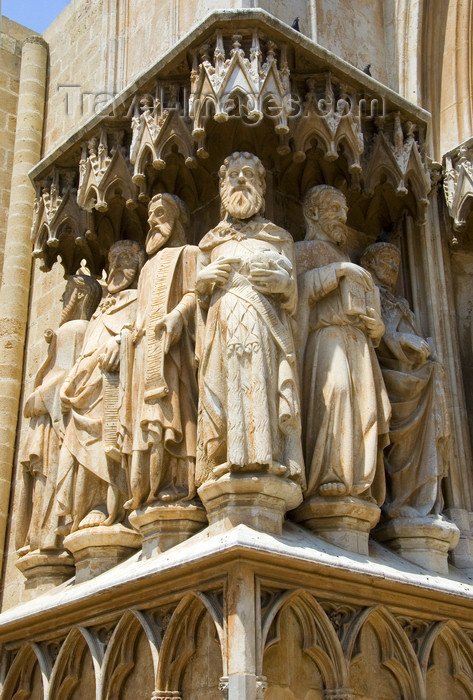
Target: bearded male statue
<point>92,484</point>
<point>162,434</point>
<point>249,415</point>
<point>345,405</point>
<point>38,522</point>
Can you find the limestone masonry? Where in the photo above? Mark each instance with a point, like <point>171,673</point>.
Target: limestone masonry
<point>236,339</point>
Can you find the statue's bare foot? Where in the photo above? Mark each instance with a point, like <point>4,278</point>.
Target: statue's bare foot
<point>171,495</point>
<point>277,469</point>
<point>95,518</point>
<point>221,470</point>
<point>334,488</point>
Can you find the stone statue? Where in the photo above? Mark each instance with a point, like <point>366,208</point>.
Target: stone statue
<point>345,405</point>
<point>415,461</point>
<point>162,434</point>
<point>92,479</point>
<point>346,408</point>
<point>249,414</point>
<point>37,524</point>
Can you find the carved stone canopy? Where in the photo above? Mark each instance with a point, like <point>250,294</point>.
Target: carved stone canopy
<point>242,80</point>
<point>458,188</point>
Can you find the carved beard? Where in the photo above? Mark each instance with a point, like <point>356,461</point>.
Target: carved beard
<point>68,310</point>
<point>241,203</point>
<point>120,279</point>
<point>336,229</point>
<point>157,237</point>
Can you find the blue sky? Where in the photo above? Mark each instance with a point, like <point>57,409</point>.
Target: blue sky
<point>34,14</point>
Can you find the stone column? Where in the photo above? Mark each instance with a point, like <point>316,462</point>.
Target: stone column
<point>242,683</point>
<point>14,294</point>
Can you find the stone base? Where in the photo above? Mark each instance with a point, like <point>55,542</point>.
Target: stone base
<point>423,541</point>
<point>162,526</point>
<point>98,549</point>
<point>45,569</point>
<point>259,501</point>
<point>344,521</point>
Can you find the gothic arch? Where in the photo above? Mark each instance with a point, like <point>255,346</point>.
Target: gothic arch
<point>77,668</point>
<point>446,659</point>
<point>319,641</point>
<point>28,677</point>
<point>380,656</point>
<point>133,648</point>
<point>180,640</point>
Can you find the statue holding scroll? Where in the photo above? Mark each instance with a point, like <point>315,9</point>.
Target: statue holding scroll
<point>92,476</point>
<point>249,416</point>
<point>161,436</point>
<point>36,529</point>
<point>345,405</point>
<point>416,460</point>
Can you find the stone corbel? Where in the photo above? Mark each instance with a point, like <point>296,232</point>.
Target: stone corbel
<point>240,85</point>
<point>397,157</point>
<point>105,172</point>
<point>58,220</point>
<point>155,133</point>
<point>335,123</point>
<point>458,184</point>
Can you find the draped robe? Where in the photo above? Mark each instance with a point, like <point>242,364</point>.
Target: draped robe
<point>345,404</point>
<point>249,414</point>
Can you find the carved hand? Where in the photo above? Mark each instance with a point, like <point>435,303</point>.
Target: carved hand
<point>172,325</point>
<point>415,347</point>
<point>373,323</point>
<point>216,272</point>
<point>32,408</point>
<point>110,359</point>
<point>355,273</point>
<point>268,281</point>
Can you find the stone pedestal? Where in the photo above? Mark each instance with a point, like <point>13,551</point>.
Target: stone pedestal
<point>345,521</point>
<point>259,501</point>
<point>45,569</point>
<point>162,526</point>
<point>422,541</point>
<point>98,549</point>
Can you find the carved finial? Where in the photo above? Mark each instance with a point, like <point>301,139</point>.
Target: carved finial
<point>236,44</point>
<point>398,132</point>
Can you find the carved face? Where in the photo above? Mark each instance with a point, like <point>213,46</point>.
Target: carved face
<point>384,265</point>
<point>161,220</point>
<point>241,190</point>
<point>123,269</point>
<point>332,217</point>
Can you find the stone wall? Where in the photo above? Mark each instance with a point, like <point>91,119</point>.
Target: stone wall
<point>12,35</point>
<point>110,42</point>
